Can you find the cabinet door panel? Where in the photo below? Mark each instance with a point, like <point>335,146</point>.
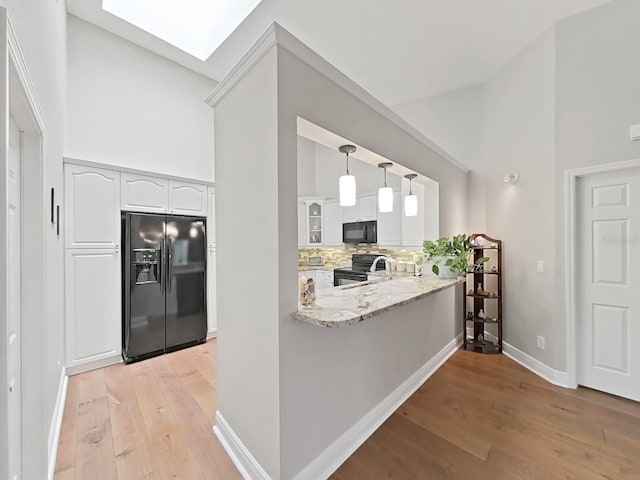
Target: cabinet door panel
<point>211,216</point>
<point>92,207</point>
<point>144,194</point>
<point>302,226</point>
<point>212,319</point>
<point>367,208</point>
<point>390,224</point>
<point>93,311</point>
<point>332,224</point>
<point>187,198</point>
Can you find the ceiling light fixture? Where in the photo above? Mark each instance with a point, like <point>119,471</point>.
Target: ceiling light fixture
<point>385,194</point>
<point>411,200</point>
<point>197,27</point>
<point>347,185</point>
<point>511,177</point>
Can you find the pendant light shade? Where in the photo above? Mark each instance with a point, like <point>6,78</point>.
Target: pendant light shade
<point>411,200</point>
<point>347,190</point>
<point>347,184</point>
<point>385,194</point>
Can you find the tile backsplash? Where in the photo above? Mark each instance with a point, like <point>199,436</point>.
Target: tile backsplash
<point>341,256</point>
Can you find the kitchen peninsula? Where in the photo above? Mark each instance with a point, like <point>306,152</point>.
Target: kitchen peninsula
<point>351,304</point>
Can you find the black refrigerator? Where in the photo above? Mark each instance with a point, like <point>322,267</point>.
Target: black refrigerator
<point>163,284</point>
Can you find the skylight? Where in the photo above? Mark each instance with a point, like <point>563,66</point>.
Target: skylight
<point>197,27</point>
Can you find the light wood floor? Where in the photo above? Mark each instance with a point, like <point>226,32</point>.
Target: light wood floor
<point>478,417</point>
<point>486,417</point>
<point>147,420</point>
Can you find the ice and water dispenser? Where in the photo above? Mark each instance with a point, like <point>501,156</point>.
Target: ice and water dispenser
<point>146,262</point>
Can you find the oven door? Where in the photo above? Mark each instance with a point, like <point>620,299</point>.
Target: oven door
<point>348,278</point>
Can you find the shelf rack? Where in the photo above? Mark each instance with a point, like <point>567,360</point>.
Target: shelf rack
<point>484,245</point>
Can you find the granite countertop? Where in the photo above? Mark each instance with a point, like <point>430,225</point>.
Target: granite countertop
<point>319,267</point>
<point>351,304</point>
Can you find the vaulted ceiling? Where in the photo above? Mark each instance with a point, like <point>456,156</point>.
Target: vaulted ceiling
<point>399,51</point>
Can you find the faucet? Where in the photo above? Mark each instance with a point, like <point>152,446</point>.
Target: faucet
<point>387,265</point>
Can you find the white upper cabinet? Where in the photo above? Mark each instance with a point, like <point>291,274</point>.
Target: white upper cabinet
<point>211,217</point>
<point>364,210</point>
<point>390,224</point>
<point>302,226</point>
<point>314,213</point>
<point>92,207</point>
<point>368,207</point>
<point>413,233</point>
<point>144,194</point>
<point>332,224</point>
<point>187,198</point>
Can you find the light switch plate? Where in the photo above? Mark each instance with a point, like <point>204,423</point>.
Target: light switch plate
<point>634,132</point>
<point>540,266</point>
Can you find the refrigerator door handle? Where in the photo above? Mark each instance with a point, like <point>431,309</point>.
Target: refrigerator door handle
<point>163,282</point>
<point>169,262</point>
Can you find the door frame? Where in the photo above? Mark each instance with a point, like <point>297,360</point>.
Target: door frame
<point>570,248</point>
<point>20,101</point>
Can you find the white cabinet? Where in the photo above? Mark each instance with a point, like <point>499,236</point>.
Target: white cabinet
<point>187,198</point>
<point>413,227</point>
<point>324,279</point>
<point>212,320</point>
<point>332,224</point>
<point>364,210</point>
<point>92,207</point>
<point>390,224</point>
<point>302,226</point>
<point>93,309</point>
<point>144,194</point>
<point>313,217</point>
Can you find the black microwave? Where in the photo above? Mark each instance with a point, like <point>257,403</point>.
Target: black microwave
<point>360,232</point>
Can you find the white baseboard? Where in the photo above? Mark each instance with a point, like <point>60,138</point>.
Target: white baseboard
<point>340,450</point>
<point>246,463</point>
<point>212,334</point>
<point>532,364</point>
<point>56,424</point>
<point>93,364</point>
<point>536,366</point>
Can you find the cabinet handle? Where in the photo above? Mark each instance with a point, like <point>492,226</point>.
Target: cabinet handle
<point>58,220</point>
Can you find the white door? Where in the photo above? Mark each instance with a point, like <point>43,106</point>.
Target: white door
<point>92,206</point>
<point>302,226</point>
<point>212,321</point>
<point>15,303</point>
<point>390,224</point>
<point>187,198</point>
<point>608,313</point>
<point>93,305</point>
<point>332,224</point>
<point>144,194</point>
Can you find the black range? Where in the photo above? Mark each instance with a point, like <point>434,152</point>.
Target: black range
<point>359,271</point>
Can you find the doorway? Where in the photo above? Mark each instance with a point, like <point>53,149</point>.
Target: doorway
<point>606,275</point>
<point>22,325</point>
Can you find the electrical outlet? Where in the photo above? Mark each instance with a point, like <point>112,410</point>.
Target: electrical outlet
<point>541,342</point>
<point>540,266</point>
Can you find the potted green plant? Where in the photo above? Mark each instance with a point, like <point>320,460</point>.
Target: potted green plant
<point>452,254</point>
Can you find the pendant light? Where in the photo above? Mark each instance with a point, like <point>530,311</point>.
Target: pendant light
<point>411,200</point>
<point>347,185</point>
<point>385,194</point>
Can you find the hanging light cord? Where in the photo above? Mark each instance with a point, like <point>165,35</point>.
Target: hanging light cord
<point>347,163</point>
<point>410,192</point>
<point>385,176</point>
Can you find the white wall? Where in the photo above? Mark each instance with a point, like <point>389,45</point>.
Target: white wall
<point>520,136</point>
<point>249,181</point>
<point>130,107</point>
<point>455,120</point>
<point>564,102</point>
<point>597,98</point>
<point>41,30</point>
<point>329,379</point>
<point>306,167</point>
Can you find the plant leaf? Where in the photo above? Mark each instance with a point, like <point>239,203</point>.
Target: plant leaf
<point>435,269</point>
